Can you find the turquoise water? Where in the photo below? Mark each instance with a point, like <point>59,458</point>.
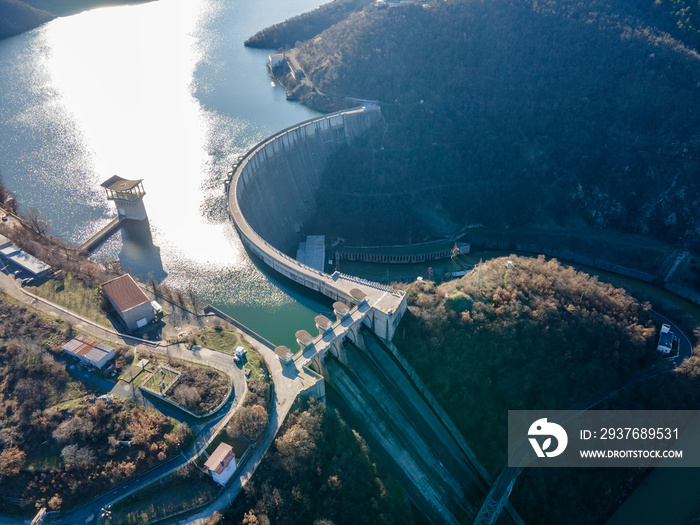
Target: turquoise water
<point>164,92</point>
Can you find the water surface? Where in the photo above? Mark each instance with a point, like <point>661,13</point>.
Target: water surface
<point>164,92</point>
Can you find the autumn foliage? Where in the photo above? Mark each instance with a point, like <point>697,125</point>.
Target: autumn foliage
<point>521,333</point>
<point>319,471</point>
<point>59,445</point>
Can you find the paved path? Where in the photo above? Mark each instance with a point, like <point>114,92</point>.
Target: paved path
<point>289,382</point>
<point>205,430</point>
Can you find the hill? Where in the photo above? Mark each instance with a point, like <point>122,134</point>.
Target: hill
<point>17,16</point>
<point>320,471</point>
<point>557,114</point>
<point>521,333</point>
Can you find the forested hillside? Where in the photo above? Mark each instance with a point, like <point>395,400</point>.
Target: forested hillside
<point>17,16</point>
<point>320,471</point>
<point>305,26</point>
<point>521,333</point>
<point>557,114</point>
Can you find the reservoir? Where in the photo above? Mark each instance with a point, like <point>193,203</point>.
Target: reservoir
<point>164,92</point>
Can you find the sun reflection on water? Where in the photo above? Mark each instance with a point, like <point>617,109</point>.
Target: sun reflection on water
<point>119,90</point>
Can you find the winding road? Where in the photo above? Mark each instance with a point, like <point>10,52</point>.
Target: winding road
<point>205,429</point>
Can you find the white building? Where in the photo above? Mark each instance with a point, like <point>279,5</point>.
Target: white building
<point>222,463</point>
<point>22,259</point>
<point>129,301</point>
<point>89,351</point>
<point>665,345</point>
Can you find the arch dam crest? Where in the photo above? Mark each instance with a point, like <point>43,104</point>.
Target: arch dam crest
<point>272,191</point>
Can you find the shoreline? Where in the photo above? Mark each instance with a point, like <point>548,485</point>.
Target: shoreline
<point>26,15</point>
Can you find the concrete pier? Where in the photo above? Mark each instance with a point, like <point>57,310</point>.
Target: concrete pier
<point>101,236</point>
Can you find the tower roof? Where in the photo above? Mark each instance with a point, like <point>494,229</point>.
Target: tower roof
<point>117,183</point>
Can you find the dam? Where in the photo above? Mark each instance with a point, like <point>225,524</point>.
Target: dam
<point>273,192</point>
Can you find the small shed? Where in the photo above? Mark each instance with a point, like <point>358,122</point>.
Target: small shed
<point>323,323</point>
<point>303,338</point>
<point>89,351</point>
<point>341,310</point>
<point>665,345</point>
<point>358,295</point>
<point>222,463</point>
<point>129,301</point>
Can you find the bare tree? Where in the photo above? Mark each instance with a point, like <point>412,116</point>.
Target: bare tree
<point>153,284</point>
<point>36,221</point>
<point>194,300</point>
<point>5,194</point>
<point>248,421</point>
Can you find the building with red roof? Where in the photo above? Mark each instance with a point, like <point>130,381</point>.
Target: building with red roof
<point>132,305</point>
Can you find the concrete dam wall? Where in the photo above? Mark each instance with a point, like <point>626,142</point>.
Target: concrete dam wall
<point>279,179</point>
<point>273,190</point>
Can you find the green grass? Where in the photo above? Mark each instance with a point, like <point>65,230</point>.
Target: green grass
<point>75,295</point>
<point>253,361</point>
<point>186,488</point>
<point>218,338</point>
<point>131,373</point>
<point>160,380</point>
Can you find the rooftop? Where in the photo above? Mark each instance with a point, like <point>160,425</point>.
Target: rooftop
<point>124,293</point>
<point>357,294</point>
<point>283,352</point>
<point>220,458</point>
<point>323,322</point>
<point>304,337</point>
<point>341,308</point>
<point>22,258</point>
<point>665,340</point>
<point>88,348</point>
<point>117,183</point>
